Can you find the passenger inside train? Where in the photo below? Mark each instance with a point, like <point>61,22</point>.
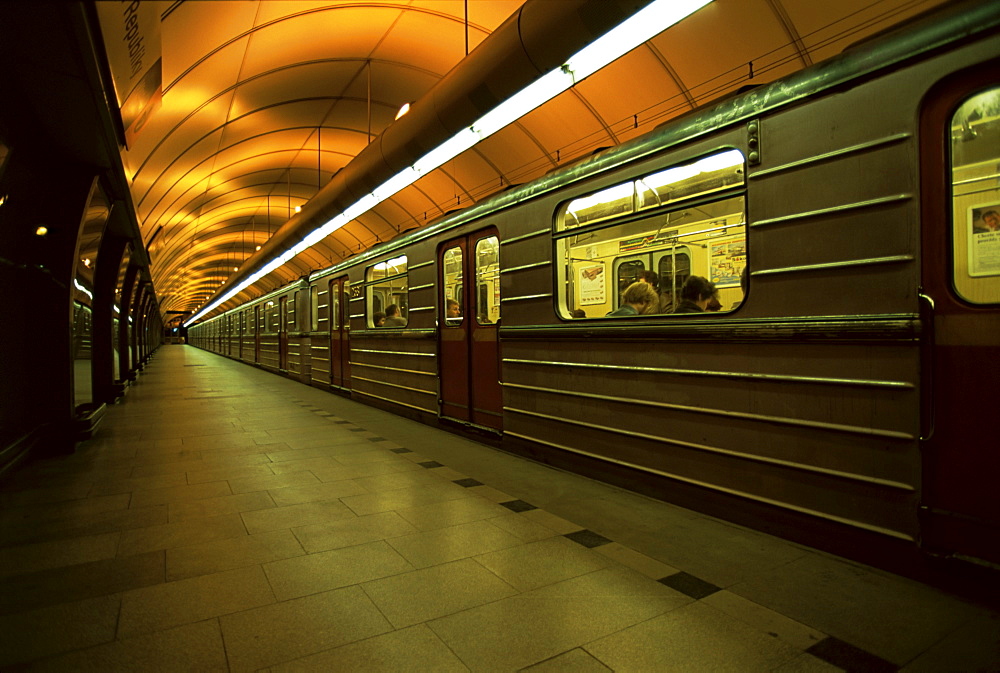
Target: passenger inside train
<point>697,295</point>
<point>638,299</point>
<point>392,317</point>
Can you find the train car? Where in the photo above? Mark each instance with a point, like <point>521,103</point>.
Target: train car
<point>841,396</point>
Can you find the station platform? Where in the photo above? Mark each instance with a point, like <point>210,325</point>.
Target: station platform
<point>227,519</point>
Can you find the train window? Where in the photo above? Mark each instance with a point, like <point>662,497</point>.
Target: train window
<point>387,291</point>
<point>333,305</point>
<point>313,308</point>
<point>453,286</point>
<point>685,222</point>
<point>270,317</point>
<point>488,280</point>
<point>975,155</point>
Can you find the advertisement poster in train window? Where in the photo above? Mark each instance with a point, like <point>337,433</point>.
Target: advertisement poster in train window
<point>984,240</point>
<point>592,284</point>
<point>727,262</point>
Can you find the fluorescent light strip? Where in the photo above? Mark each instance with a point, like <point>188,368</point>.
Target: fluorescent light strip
<point>634,31</point>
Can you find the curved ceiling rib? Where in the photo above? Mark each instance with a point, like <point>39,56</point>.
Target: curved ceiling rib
<point>265,102</point>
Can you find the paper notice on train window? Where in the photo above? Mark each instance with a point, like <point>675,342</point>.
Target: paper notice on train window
<point>984,240</point>
<point>984,254</point>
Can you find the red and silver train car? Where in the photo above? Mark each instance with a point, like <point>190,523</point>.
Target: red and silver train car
<point>842,396</point>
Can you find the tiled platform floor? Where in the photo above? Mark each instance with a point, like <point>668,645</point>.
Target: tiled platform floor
<point>228,519</point>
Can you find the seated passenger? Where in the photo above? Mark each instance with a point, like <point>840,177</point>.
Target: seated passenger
<point>378,319</point>
<point>452,312</point>
<point>638,299</point>
<point>578,313</point>
<point>696,295</point>
<point>392,317</point>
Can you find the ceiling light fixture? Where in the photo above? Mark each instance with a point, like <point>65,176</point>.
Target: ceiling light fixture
<point>642,26</point>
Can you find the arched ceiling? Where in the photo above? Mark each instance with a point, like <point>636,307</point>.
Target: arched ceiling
<point>264,101</point>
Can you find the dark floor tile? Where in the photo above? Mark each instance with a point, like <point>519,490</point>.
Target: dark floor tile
<point>86,580</point>
<point>851,659</point>
<point>468,482</point>
<point>587,538</point>
<point>689,585</point>
<point>430,464</point>
<point>356,429</point>
<point>401,450</point>
<point>518,506</point>
<point>377,439</point>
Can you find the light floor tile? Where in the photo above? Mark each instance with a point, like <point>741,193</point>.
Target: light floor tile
<point>450,544</point>
<point>289,516</point>
<point>807,663</point>
<point>452,512</point>
<point>185,493</point>
<point>556,523</point>
<point>297,628</point>
<point>265,482</point>
<point>316,492</point>
<point>574,661</point>
<point>227,504</point>
<point>529,628</point>
<point>165,606</point>
<point>168,536</point>
<point>208,474</point>
<point>537,564</point>
<point>403,498</point>
<point>138,484</point>
<point>49,631</point>
<point>792,633</point>
<point>648,566</point>
<point>66,584</point>
<point>304,575</point>
<point>491,493</point>
<point>349,532</point>
<point>693,638</point>
<point>397,480</point>
<point>305,465</point>
<point>413,649</point>
<point>521,527</point>
<point>415,597</point>
<point>194,647</point>
<point>238,552</point>
<point>57,554</point>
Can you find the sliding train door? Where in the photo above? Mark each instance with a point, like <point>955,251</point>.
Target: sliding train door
<point>469,306</point>
<point>340,337</point>
<point>960,150</point>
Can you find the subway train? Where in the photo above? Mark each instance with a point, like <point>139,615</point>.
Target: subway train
<point>841,397</point>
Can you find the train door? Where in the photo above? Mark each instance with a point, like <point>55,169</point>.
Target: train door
<point>960,295</point>
<point>340,346</point>
<point>283,334</point>
<point>469,303</point>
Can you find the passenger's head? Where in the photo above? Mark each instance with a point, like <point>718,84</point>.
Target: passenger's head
<point>650,277</point>
<point>391,311</point>
<point>578,313</point>
<point>699,290</point>
<point>378,318</point>
<point>642,297</point>
<point>451,309</point>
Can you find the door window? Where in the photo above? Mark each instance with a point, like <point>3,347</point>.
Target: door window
<point>975,198</point>
<point>488,280</point>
